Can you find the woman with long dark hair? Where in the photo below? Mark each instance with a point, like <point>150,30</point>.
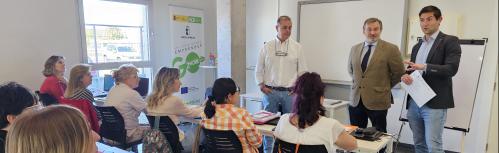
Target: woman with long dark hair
<point>221,114</point>
<point>307,124</point>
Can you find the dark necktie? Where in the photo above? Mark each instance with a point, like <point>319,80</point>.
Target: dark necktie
<point>363,65</point>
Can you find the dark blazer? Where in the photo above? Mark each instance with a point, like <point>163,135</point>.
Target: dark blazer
<point>441,65</point>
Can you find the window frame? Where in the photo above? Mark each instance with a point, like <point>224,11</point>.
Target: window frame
<point>113,65</point>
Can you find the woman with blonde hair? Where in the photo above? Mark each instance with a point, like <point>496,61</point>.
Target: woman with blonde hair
<point>79,79</point>
<point>77,94</point>
<point>66,131</point>
<point>128,101</point>
<point>162,102</point>
<point>54,83</point>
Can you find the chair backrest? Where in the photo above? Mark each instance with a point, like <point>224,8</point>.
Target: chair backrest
<point>216,141</point>
<point>46,99</point>
<point>169,130</point>
<point>113,125</point>
<point>86,108</point>
<point>143,87</point>
<point>286,147</point>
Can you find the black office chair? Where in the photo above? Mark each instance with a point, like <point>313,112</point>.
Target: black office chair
<point>143,87</point>
<point>169,130</point>
<point>287,147</point>
<point>46,99</point>
<point>113,128</point>
<point>216,141</point>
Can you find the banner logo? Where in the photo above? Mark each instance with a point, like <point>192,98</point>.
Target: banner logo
<point>191,64</point>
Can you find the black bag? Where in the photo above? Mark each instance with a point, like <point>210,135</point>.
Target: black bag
<point>369,134</point>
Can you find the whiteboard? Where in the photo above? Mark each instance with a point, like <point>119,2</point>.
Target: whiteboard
<point>327,32</point>
<point>464,86</point>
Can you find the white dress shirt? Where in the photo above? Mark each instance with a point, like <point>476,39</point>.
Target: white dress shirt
<point>364,51</point>
<point>128,102</point>
<point>275,69</point>
<point>424,49</point>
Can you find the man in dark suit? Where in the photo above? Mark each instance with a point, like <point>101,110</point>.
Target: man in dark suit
<point>437,58</point>
<point>375,67</point>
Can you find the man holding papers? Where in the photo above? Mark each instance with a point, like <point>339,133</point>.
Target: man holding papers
<point>436,57</point>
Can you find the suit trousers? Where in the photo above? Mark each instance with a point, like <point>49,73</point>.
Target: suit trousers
<point>360,114</point>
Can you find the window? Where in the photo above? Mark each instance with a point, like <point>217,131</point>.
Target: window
<point>114,33</point>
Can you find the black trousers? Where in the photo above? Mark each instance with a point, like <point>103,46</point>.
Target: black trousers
<point>360,114</point>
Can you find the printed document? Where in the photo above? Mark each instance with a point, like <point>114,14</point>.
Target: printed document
<point>419,90</point>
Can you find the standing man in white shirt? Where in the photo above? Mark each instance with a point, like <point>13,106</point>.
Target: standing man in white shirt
<point>280,61</point>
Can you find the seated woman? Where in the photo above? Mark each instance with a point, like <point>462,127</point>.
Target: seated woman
<point>79,79</point>
<point>128,101</point>
<point>221,114</point>
<point>54,129</point>
<point>162,102</point>
<point>306,124</point>
<point>77,94</point>
<point>14,98</point>
<point>54,83</point>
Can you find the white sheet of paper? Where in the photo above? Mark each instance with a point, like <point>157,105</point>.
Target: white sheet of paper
<point>419,90</point>
<point>102,148</point>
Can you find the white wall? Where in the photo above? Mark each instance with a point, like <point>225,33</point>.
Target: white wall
<point>477,22</point>
<point>476,14</point>
<point>33,30</point>
<point>224,39</point>
<point>492,136</point>
<point>261,16</point>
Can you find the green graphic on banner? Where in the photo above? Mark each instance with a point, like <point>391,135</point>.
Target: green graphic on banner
<point>191,64</point>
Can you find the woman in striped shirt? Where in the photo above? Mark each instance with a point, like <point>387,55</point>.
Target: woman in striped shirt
<point>79,79</point>
<point>221,114</point>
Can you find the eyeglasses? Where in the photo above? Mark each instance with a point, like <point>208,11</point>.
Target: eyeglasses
<point>238,89</point>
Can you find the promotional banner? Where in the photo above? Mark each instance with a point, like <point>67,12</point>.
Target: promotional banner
<point>187,41</point>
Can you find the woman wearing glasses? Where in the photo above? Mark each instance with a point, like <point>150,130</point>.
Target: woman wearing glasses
<point>221,114</point>
<point>128,101</point>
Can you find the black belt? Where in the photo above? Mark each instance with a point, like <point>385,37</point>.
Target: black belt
<point>278,88</point>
